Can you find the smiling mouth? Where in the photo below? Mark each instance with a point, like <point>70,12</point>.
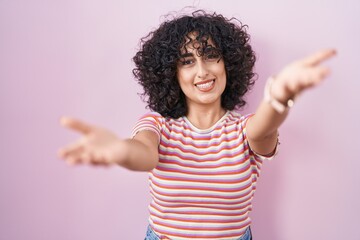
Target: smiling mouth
<point>205,86</point>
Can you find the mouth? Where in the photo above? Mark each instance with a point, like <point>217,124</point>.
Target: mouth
<point>205,86</point>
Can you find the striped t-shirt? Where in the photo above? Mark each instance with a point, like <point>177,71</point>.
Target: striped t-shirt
<point>205,180</point>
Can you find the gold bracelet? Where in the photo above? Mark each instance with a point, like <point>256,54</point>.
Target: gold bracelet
<point>278,106</point>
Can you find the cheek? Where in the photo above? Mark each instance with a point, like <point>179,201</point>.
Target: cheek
<point>223,76</point>
<point>219,67</point>
<point>184,78</point>
<point>181,82</point>
<point>221,71</point>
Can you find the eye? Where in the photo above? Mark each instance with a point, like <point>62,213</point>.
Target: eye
<point>186,61</point>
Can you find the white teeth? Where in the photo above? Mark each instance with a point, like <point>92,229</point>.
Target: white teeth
<point>205,85</point>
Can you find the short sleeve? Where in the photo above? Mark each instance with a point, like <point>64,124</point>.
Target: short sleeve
<point>258,156</point>
<point>151,122</point>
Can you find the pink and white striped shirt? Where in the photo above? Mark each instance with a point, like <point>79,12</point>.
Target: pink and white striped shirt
<point>205,180</point>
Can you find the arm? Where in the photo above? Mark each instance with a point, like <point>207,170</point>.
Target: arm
<point>262,128</point>
<point>99,146</point>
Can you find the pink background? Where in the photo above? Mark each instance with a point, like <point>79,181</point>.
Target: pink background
<point>74,58</point>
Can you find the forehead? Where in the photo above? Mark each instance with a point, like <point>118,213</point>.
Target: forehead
<point>193,42</point>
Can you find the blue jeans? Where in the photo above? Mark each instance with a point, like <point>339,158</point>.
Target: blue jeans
<point>150,235</point>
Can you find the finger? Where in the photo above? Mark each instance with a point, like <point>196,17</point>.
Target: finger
<point>100,159</point>
<point>86,157</point>
<point>309,78</point>
<point>322,72</point>
<point>100,164</point>
<point>73,160</point>
<point>97,159</point>
<point>316,75</point>
<point>76,125</point>
<point>71,150</point>
<point>318,57</point>
<point>81,157</point>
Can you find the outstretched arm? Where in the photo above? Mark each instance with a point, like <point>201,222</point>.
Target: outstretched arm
<point>262,128</point>
<point>99,146</point>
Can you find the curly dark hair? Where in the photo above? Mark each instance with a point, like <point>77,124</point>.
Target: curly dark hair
<point>156,62</point>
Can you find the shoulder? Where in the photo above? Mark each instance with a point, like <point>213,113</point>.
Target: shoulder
<point>235,117</point>
<point>150,121</point>
<point>154,115</point>
<point>155,119</point>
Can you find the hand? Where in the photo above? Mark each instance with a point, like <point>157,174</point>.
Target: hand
<point>97,146</point>
<point>300,75</point>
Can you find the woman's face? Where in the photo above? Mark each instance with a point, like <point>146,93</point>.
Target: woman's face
<point>201,78</point>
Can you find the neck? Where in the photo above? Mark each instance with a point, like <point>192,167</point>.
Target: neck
<point>204,117</point>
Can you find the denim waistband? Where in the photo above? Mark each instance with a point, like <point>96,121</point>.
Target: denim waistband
<point>151,235</point>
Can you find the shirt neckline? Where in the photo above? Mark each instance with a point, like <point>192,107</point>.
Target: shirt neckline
<point>207,130</point>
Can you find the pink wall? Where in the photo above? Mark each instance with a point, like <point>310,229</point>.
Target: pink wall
<point>74,58</point>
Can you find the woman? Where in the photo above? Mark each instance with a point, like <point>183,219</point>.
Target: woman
<point>203,157</point>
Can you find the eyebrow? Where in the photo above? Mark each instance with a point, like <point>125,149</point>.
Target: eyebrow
<point>188,54</point>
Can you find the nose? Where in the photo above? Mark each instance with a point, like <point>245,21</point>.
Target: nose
<point>202,71</point>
